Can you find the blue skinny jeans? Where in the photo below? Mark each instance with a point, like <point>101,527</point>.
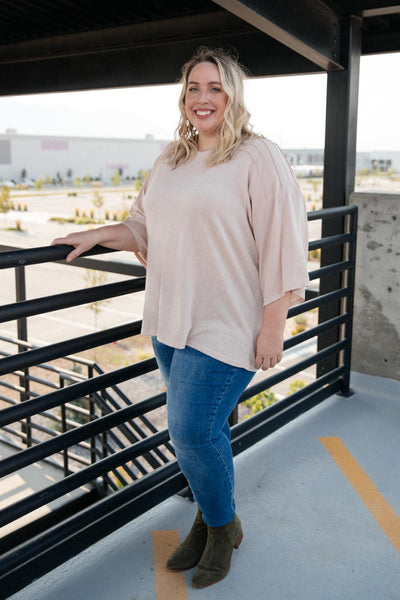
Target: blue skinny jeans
<point>201,394</point>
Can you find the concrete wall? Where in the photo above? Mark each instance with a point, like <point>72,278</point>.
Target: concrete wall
<point>376,333</point>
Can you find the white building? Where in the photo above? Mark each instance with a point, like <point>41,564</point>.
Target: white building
<point>43,155</point>
<point>310,161</point>
<point>70,157</point>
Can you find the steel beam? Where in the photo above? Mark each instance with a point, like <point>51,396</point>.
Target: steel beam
<point>381,41</point>
<point>140,64</point>
<point>309,27</point>
<point>375,8</point>
<point>339,171</point>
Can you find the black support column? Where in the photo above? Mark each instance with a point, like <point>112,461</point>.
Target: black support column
<point>339,167</point>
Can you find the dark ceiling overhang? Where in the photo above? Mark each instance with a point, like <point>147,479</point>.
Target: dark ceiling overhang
<point>86,44</point>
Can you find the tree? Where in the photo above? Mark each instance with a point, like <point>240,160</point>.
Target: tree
<point>23,174</point>
<point>69,173</point>
<point>5,204</point>
<point>138,184</point>
<point>143,174</point>
<point>116,178</point>
<point>94,278</point>
<point>140,179</point>
<point>97,201</point>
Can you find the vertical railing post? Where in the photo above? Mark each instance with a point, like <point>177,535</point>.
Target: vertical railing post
<point>234,416</point>
<point>64,429</point>
<point>22,335</point>
<point>92,416</point>
<point>350,282</point>
<point>104,448</point>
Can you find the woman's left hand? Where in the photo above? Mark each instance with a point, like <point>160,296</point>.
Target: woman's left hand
<point>269,348</point>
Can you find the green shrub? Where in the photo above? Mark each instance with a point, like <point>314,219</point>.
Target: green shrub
<point>295,385</point>
<point>260,401</point>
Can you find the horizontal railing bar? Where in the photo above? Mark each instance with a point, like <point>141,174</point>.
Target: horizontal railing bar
<point>9,400</point>
<point>45,382</point>
<point>76,359</point>
<point>148,458</point>
<point>76,480</point>
<point>77,409</point>
<point>77,390</point>
<point>15,342</point>
<point>15,433</point>
<point>329,269</point>
<point>112,450</point>
<point>108,399</point>
<point>47,415</point>
<point>61,349</point>
<point>79,458</point>
<point>286,402</point>
<point>289,371</point>
<point>15,258</point>
<point>299,338</point>
<point>43,429</point>
<point>120,267</point>
<point>316,302</point>
<point>38,306</point>
<point>146,422</point>
<point>72,423</point>
<point>59,370</point>
<point>331,213</point>
<point>260,425</point>
<point>43,254</point>
<point>111,483</point>
<point>12,386</point>
<point>332,240</point>
<point>118,476</point>
<point>132,269</point>
<point>71,438</point>
<point>72,528</point>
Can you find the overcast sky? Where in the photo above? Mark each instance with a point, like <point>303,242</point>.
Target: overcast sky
<point>289,110</point>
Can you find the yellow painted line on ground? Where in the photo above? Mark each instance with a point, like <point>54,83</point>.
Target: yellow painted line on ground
<point>368,492</point>
<point>169,585</point>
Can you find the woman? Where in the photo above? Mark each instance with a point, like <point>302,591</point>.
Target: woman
<point>221,225</point>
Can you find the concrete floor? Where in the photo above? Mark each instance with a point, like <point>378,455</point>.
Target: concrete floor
<point>308,534</point>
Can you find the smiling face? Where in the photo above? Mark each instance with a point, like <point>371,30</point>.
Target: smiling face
<point>205,103</point>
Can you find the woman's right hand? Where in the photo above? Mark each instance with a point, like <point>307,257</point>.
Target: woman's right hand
<point>81,240</point>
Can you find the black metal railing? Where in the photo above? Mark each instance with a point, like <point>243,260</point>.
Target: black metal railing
<point>39,547</point>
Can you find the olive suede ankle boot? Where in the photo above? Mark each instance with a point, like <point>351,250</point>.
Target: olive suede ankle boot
<point>188,554</point>
<point>215,562</point>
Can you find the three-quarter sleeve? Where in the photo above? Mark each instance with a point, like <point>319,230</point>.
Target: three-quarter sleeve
<point>136,223</point>
<point>279,224</point>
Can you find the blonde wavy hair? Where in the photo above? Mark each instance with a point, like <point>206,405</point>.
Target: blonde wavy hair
<point>234,129</point>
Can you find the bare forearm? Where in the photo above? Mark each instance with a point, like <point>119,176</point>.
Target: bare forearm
<point>275,313</point>
<point>270,339</point>
<point>117,237</point>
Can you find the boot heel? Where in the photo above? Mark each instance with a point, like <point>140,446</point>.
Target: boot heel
<point>239,539</point>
